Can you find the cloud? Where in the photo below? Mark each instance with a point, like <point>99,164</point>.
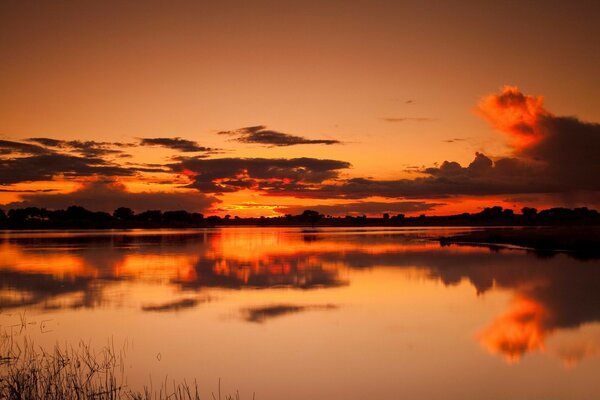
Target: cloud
<point>176,143</point>
<point>26,190</point>
<point>221,175</point>
<point>49,158</point>
<point>515,114</point>
<point>481,177</point>
<point>366,207</point>
<point>102,195</point>
<point>48,142</point>
<point>569,149</point>
<point>44,167</point>
<point>87,148</point>
<point>566,147</point>
<point>8,147</point>
<point>261,135</point>
<point>551,155</point>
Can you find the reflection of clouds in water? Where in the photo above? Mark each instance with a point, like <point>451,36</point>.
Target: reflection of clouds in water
<point>550,294</point>
<point>576,345</point>
<point>19,289</point>
<point>263,313</point>
<point>518,331</point>
<point>292,272</point>
<point>527,328</point>
<point>176,305</point>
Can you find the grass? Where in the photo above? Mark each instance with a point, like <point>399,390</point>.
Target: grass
<point>78,373</point>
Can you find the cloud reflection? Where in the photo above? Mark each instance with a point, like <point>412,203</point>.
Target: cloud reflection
<point>52,270</point>
<point>261,314</point>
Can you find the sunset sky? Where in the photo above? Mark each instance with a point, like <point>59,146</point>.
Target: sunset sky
<point>266,108</point>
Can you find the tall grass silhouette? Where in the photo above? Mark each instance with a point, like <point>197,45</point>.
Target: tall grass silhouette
<point>78,372</point>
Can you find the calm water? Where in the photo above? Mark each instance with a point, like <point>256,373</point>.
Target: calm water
<point>313,314</point>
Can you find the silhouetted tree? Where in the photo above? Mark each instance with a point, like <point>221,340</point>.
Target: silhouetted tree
<point>585,212</point>
<point>508,213</point>
<point>197,218</point>
<point>123,213</point>
<point>213,220</point>
<point>177,216</point>
<point>310,216</point>
<point>78,213</point>
<point>101,217</point>
<point>79,217</point>
<point>555,213</point>
<point>150,215</point>
<point>491,212</point>
<point>529,212</point>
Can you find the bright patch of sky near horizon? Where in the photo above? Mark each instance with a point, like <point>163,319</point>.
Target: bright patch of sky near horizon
<point>115,72</point>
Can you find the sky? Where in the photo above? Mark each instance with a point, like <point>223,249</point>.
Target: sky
<point>266,108</point>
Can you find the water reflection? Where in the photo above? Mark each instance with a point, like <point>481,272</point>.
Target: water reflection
<point>75,270</point>
<point>261,314</point>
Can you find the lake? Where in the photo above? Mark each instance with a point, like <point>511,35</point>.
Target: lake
<point>300,313</point>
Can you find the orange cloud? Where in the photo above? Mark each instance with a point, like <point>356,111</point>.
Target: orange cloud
<point>515,114</point>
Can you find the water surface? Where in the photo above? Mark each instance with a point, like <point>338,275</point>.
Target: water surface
<point>313,313</point>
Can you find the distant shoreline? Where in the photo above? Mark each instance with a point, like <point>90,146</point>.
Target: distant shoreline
<point>75,217</point>
<point>369,223</point>
<point>581,241</point>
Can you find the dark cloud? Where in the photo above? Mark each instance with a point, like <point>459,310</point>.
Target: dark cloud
<point>8,147</point>
<point>176,143</point>
<point>366,207</point>
<point>270,175</point>
<point>569,149</point>
<point>44,167</point>
<point>26,190</point>
<point>147,167</point>
<point>92,148</point>
<point>551,155</point>
<point>108,196</point>
<point>87,148</point>
<point>261,135</point>
<point>50,158</point>
<point>481,177</point>
<point>49,142</point>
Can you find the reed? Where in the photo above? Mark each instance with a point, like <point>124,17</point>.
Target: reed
<point>78,373</point>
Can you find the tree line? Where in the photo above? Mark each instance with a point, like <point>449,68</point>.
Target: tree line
<point>76,217</point>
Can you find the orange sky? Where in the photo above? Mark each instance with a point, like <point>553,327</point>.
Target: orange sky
<point>396,84</point>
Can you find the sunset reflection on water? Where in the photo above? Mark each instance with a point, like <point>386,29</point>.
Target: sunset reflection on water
<point>269,308</point>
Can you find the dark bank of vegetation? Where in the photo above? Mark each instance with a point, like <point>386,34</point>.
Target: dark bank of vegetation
<point>78,373</point>
<point>580,241</point>
<point>76,217</point>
